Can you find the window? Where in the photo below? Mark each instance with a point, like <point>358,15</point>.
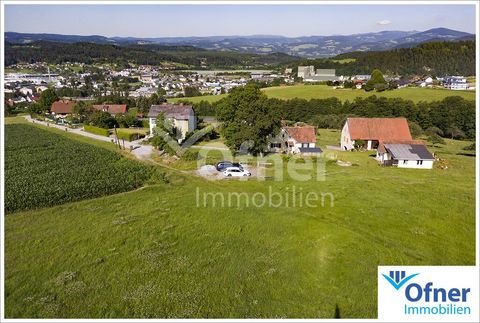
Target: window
<point>304,145</point>
<point>275,145</point>
<point>419,162</point>
<point>405,162</point>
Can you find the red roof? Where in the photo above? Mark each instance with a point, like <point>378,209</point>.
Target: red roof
<point>381,129</point>
<point>111,108</point>
<point>62,107</point>
<point>302,134</point>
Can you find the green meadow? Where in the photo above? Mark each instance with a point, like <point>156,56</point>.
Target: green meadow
<point>160,252</point>
<point>324,91</point>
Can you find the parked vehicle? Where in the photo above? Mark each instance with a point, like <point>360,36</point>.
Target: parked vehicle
<point>236,172</point>
<point>221,166</point>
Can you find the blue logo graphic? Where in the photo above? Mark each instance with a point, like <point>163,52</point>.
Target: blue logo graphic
<point>397,278</point>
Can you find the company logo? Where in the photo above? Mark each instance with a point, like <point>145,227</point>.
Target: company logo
<point>437,293</point>
<point>397,278</point>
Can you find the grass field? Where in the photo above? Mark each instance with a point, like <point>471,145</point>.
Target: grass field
<point>324,91</point>
<point>155,252</point>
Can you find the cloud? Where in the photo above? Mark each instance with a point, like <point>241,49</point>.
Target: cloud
<point>384,22</point>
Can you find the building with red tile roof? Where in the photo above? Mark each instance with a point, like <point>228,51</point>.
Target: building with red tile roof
<point>113,109</point>
<point>373,131</point>
<point>62,107</point>
<point>296,140</point>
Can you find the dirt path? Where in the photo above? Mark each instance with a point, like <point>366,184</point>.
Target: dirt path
<point>142,152</point>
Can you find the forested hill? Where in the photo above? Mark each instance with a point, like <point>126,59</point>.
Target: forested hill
<point>435,58</point>
<point>82,52</point>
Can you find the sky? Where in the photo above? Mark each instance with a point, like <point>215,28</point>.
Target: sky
<point>234,19</point>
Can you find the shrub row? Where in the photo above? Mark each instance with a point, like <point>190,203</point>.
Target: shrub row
<point>97,130</point>
<point>127,135</point>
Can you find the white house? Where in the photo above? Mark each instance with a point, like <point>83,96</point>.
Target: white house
<point>369,132</point>
<point>181,116</point>
<point>26,91</point>
<point>296,140</point>
<point>413,154</point>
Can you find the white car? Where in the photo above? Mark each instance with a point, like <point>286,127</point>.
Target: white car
<point>236,172</point>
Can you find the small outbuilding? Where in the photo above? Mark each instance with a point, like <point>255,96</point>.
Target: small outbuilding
<point>413,154</point>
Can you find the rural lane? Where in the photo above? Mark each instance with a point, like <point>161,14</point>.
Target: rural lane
<point>143,152</point>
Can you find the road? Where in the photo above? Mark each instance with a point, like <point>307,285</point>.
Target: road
<point>143,151</point>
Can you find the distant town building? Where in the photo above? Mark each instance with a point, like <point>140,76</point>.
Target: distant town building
<point>455,83</point>
<point>322,75</point>
<point>306,71</point>
<point>26,91</point>
<point>309,74</point>
<point>362,77</point>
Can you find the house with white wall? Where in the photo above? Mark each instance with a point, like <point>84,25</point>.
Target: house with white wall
<point>182,117</point>
<point>367,133</point>
<point>296,140</point>
<point>408,154</point>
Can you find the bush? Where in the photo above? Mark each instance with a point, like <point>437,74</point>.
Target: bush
<point>128,121</point>
<point>470,147</point>
<point>128,135</point>
<point>434,131</point>
<point>436,139</point>
<point>190,155</point>
<point>299,160</point>
<point>158,142</point>
<point>103,119</point>
<point>415,129</point>
<point>97,130</point>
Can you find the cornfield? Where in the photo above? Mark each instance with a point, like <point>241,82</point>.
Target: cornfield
<point>45,169</point>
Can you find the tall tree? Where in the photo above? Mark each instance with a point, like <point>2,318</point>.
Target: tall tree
<point>376,81</point>
<point>248,119</point>
<point>47,98</point>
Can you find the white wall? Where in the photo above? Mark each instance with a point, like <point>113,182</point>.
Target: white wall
<point>184,126</point>
<point>152,122</point>
<point>345,140</point>
<point>426,164</point>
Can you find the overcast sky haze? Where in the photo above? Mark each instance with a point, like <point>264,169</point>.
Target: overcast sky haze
<point>220,20</point>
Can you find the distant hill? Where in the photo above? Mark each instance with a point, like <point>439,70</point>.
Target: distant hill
<point>151,54</point>
<point>308,46</point>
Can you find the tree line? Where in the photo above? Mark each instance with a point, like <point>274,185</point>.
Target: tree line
<point>89,53</point>
<point>453,116</point>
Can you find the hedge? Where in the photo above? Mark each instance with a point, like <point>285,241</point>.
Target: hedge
<point>129,136</point>
<point>97,130</point>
